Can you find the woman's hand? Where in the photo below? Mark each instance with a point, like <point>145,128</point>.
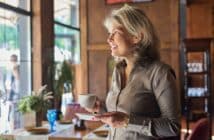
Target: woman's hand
<point>96,108</point>
<point>114,119</point>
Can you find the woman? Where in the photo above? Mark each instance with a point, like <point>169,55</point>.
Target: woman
<point>142,103</point>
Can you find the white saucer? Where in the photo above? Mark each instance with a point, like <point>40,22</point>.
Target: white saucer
<point>85,116</point>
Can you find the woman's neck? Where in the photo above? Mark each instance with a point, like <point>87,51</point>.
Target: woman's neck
<point>129,65</point>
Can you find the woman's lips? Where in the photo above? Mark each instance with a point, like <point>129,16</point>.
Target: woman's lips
<point>113,46</point>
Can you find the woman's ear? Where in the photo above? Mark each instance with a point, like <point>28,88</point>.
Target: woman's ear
<point>137,39</point>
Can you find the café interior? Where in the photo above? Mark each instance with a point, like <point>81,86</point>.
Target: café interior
<point>59,48</point>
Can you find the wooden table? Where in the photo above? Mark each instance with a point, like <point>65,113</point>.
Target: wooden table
<point>69,134</point>
<point>76,134</point>
<point>66,134</point>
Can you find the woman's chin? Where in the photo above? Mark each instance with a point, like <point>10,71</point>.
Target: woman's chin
<point>114,54</point>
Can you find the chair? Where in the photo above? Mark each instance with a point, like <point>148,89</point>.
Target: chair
<point>200,130</point>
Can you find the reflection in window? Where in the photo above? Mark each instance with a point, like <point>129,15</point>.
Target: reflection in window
<point>15,62</point>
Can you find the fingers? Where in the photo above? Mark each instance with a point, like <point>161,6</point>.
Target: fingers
<point>107,114</point>
<point>108,118</point>
<point>114,119</point>
<point>91,110</point>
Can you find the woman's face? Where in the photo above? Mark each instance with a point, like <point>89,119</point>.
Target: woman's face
<point>120,41</point>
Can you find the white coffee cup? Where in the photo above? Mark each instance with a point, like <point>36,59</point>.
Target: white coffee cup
<point>87,100</point>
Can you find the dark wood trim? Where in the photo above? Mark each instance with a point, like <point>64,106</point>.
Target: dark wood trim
<point>43,43</point>
<point>67,26</point>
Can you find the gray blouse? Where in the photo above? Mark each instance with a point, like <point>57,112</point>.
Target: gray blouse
<point>150,98</point>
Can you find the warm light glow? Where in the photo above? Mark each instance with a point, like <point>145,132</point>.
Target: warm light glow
<point>190,131</point>
<point>185,131</point>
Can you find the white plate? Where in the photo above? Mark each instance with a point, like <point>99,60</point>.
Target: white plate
<point>85,116</point>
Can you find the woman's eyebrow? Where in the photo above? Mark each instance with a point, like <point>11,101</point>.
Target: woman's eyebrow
<point>120,29</point>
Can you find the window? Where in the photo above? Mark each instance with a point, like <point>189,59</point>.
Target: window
<point>15,60</point>
<point>67,38</point>
<point>22,4</point>
<point>67,44</point>
<point>67,32</point>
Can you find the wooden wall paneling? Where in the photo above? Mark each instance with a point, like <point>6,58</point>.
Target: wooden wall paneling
<point>199,20</point>
<point>82,69</point>
<point>164,16</point>
<point>36,45</point>
<point>98,82</point>
<point>174,23</point>
<point>165,54</point>
<point>158,11</point>
<point>97,34</point>
<point>175,40</point>
<point>99,47</point>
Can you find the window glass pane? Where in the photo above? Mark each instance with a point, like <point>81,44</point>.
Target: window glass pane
<point>67,12</point>
<point>67,44</point>
<point>15,66</point>
<point>23,4</point>
<point>62,30</point>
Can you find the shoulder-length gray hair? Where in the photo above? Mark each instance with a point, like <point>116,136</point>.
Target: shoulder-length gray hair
<point>137,24</point>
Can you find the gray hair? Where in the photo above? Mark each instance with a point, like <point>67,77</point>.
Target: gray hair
<point>135,21</point>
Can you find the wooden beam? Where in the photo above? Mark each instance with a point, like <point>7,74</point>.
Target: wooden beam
<point>99,47</point>
<point>82,81</point>
<point>36,45</point>
<point>43,43</point>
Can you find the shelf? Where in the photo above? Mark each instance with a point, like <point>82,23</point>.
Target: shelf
<point>197,92</point>
<point>190,97</point>
<point>197,73</point>
<point>197,114</point>
<point>197,95</point>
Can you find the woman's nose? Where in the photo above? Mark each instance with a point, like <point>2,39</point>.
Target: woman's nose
<point>110,38</point>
